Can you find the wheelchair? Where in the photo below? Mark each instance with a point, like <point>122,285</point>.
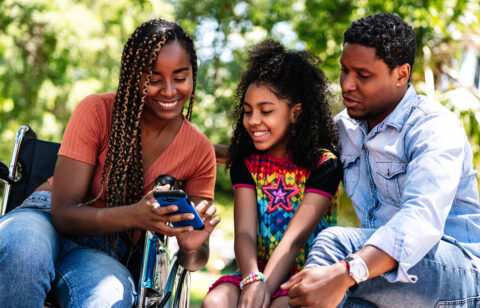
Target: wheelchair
<point>163,282</point>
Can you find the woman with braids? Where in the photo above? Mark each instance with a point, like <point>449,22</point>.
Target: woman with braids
<point>284,173</point>
<point>114,147</point>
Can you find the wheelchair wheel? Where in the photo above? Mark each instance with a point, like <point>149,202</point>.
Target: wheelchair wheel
<point>176,293</point>
<point>182,289</point>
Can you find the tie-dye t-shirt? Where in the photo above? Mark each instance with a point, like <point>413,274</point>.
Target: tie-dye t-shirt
<point>280,186</point>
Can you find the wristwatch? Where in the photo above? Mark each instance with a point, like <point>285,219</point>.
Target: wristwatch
<point>357,269</point>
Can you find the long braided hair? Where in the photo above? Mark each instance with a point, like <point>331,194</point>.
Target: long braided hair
<point>123,172</point>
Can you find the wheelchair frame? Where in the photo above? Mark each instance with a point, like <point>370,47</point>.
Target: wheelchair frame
<point>163,282</point>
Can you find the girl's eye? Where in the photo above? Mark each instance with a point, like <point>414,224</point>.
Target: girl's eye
<point>247,112</point>
<point>363,76</point>
<point>181,79</point>
<point>155,81</point>
<point>267,111</point>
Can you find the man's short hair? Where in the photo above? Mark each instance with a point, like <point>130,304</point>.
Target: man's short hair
<point>392,38</point>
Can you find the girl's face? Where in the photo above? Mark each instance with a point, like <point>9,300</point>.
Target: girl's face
<point>171,83</point>
<point>267,119</point>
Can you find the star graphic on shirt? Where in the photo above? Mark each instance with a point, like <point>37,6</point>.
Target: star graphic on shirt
<point>280,195</point>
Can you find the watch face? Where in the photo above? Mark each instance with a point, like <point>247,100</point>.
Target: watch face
<point>358,271</point>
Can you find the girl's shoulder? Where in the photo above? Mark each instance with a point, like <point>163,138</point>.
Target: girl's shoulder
<point>326,156</point>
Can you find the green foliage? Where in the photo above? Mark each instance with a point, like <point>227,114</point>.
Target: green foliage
<point>54,53</point>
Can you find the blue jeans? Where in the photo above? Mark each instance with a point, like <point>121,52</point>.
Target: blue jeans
<point>448,276</point>
<point>34,259</point>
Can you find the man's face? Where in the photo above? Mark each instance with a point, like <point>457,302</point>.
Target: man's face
<point>370,90</point>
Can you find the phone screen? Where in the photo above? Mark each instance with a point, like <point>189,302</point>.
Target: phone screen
<point>180,199</point>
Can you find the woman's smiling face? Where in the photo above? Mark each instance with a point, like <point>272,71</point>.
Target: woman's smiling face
<point>171,84</point>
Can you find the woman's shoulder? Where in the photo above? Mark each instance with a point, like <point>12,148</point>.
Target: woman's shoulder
<point>93,113</point>
<point>101,103</point>
<point>192,135</point>
<point>99,100</point>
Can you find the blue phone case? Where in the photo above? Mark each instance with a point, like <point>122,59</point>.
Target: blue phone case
<point>180,199</point>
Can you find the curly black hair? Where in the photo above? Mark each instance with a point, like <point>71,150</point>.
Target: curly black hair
<point>295,76</point>
<point>392,38</point>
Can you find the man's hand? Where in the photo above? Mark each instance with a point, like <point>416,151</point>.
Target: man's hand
<point>323,286</point>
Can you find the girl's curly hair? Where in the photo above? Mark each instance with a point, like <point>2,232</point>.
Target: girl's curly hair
<point>297,77</point>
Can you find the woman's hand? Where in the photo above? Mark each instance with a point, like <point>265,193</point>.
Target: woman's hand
<point>149,215</point>
<point>192,241</point>
<point>255,295</point>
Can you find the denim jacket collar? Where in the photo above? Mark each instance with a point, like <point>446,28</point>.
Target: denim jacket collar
<point>400,114</point>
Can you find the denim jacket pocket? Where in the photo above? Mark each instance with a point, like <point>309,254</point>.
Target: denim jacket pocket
<point>351,172</point>
<point>389,180</point>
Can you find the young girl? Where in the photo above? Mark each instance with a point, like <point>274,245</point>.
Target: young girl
<point>283,171</point>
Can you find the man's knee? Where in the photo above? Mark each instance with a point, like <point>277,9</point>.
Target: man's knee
<point>335,243</point>
<point>333,237</point>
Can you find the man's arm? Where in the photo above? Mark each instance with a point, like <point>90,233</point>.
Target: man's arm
<point>326,286</point>
<point>435,149</point>
<point>436,154</point>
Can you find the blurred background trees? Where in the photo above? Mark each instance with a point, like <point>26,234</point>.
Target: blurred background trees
<point>55,52</point>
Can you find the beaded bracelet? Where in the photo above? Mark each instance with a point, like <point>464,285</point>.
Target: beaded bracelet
<point>252,277</point>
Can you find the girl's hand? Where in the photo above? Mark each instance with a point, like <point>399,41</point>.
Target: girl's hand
<point>149,215</point>
<point>255,295</point>
<point>192,241</point>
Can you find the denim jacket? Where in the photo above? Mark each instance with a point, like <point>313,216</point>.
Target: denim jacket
<point>411,177</point>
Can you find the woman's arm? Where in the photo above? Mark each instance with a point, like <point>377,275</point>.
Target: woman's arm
<point>303,223</point>
<point>72,180</point>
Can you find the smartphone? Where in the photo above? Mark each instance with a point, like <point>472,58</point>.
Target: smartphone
<point>180,199</point>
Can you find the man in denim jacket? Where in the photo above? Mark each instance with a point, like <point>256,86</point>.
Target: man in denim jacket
<point>408,171</point>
